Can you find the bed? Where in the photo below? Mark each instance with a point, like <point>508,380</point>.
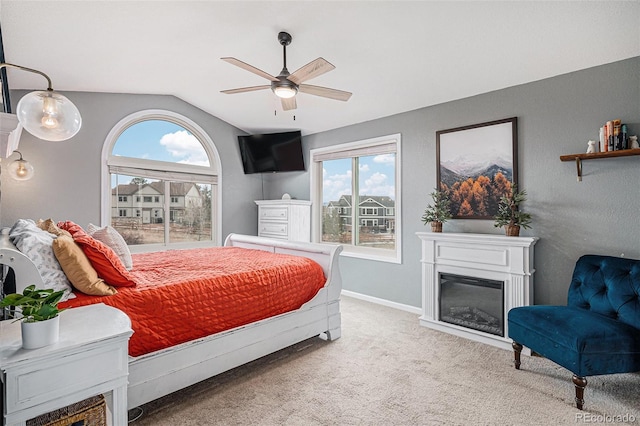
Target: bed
<point>155,372</point>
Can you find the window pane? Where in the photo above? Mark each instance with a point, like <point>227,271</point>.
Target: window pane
<point>133,213</point>
<point>336,201</point>
<point>190,212</point>
<point>143,221</point>
<point>376,209</point>
<point>161,140</point>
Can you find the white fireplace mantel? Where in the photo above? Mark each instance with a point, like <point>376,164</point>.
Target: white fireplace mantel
<point>486,256</point>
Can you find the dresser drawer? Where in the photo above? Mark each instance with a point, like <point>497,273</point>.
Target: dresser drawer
<point>271,213</point>
<point>273,229</point>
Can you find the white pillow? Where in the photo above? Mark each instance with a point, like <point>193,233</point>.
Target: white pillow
<point>112,238</point>
<point>36,244</point>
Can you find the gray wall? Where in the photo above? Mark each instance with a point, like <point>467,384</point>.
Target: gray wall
<point>556,116</point>
<point>67,174</point>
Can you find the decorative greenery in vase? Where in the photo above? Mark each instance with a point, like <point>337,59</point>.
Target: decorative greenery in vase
<point>439,212</point>
<point>509,214</point>
<point>35,304</point>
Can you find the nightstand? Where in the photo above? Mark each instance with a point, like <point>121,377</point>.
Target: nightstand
<point>91,358</point>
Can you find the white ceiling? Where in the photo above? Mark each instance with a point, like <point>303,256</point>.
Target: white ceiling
<point>394,56</point>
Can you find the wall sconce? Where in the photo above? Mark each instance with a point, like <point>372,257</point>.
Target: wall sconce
<point>46,114</point>
<point>20,169</point>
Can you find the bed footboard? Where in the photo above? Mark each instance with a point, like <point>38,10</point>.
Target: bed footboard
<point>157,374</point>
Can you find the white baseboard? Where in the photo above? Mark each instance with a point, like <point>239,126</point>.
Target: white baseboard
<point>383,302</point>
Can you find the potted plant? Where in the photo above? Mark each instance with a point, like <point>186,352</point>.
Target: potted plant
<point>439,212</point>
<point>509,214</point>
<point>39,309</point>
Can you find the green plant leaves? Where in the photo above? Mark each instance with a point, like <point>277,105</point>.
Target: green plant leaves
<point>35,304</point>
<point>440,210</point>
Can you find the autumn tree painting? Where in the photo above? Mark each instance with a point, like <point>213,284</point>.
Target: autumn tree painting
<point>477,197</point>
<point>476,166</point>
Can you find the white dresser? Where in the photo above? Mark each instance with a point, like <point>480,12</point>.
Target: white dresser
<point>284,219</point>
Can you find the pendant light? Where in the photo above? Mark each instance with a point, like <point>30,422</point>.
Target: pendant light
<point>46,114</point>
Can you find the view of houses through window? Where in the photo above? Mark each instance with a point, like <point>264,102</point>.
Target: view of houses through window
<point>139,211</point>
<point>367,220</point>
<point>162,187</point>
<point>374,213</point>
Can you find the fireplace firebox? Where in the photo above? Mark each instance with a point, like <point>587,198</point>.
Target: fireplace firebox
<point>472,302</point>
<point>471,281</point>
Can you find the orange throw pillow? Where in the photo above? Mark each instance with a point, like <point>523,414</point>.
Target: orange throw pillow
<point>78,269</point>
<point>102,257</point>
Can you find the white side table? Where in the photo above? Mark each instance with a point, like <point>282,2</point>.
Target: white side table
<point>91,358</point>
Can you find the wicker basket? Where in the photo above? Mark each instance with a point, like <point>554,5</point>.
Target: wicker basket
<point>90,412</point>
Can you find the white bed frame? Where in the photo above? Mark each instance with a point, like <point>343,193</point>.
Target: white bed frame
<point>157,374</point>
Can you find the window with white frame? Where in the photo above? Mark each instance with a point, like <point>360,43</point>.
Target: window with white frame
<point>365,175</point>
<point>155,157</point>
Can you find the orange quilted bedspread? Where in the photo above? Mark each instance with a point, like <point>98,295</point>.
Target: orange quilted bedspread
<point>182,295</point>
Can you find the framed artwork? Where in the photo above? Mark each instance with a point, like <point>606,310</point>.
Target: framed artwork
<point>477,164</point>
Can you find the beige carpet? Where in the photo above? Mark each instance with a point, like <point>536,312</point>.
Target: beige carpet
<point>388,370</point>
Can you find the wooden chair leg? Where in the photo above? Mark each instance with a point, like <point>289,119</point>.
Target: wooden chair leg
<point>581,383</point>
<point>517,349</point>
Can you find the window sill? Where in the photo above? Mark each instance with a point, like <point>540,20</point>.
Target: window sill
<point>359,253</point>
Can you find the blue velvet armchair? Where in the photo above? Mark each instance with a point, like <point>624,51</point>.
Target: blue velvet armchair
<point>598,332</point>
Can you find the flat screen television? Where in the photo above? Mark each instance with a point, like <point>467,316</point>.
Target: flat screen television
<point>272,152</point>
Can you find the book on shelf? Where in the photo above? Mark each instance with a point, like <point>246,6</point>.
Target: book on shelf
<point>617,140</point>
<point>609,126</point>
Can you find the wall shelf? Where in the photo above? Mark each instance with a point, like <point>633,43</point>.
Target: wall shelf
<point>597,155</point>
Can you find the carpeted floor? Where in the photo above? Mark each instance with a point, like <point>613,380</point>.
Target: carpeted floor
<point>388,370</point>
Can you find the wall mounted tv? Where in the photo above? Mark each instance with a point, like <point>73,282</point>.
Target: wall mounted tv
<point>272,152</point>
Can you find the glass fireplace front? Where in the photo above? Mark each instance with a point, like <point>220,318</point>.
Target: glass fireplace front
<point>472,302</point>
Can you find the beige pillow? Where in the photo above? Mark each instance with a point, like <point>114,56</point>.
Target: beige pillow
<point>78,269</point>
<point>112,238</point>
<point>50,226</point>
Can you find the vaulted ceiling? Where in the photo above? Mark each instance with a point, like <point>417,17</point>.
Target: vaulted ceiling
<point>394,56</point>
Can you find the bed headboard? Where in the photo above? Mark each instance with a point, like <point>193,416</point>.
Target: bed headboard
<point>25,270</point>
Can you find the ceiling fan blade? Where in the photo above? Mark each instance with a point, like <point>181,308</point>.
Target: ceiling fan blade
<point>325,92</point>
<point>249,68</point>
<point>311,70</point>
<point>245,89</point>
<point>288,103</point>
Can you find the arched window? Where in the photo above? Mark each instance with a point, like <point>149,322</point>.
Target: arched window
<point>160,181</point>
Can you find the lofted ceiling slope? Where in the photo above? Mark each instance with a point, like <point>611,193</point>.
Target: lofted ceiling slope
<point>394,56</point>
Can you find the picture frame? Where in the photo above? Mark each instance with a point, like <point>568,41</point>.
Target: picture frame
<point>477,164</point>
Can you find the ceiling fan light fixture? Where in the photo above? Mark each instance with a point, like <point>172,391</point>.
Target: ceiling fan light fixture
<point>285,92</point>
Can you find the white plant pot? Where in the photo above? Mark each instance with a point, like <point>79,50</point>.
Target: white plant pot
<point>40,333</point>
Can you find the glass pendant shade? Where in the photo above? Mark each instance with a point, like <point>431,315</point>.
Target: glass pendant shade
<point>49,115</point>
<point>21,170</point>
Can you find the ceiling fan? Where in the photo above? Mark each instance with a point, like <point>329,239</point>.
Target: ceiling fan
<point>287,85</point>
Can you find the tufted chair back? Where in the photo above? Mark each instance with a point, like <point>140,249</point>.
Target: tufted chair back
<point>609,286</point>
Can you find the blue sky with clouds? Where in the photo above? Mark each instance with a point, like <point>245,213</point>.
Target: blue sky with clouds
<point>161,140</point>
<point>377,177</point>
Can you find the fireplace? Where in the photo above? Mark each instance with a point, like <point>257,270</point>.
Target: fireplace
<point>471,302</point>
<point>471,281</point>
